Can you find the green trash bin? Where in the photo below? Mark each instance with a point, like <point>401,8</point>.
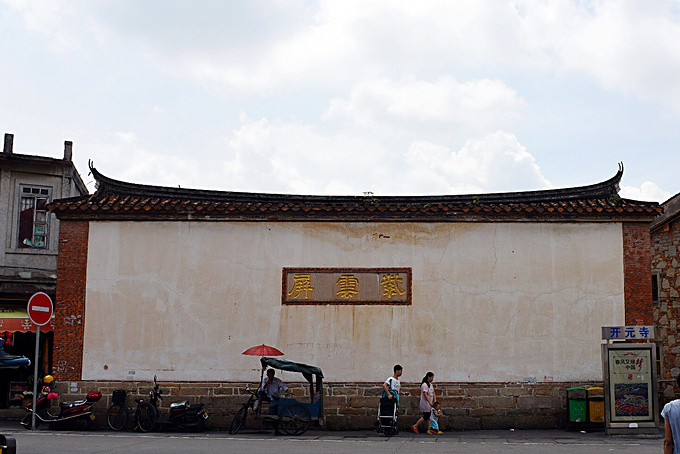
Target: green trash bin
<point>577,399</point>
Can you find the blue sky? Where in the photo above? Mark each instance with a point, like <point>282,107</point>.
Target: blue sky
<point>347,97</point>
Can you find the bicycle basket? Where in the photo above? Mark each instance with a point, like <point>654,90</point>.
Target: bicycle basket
<point>119,396</point>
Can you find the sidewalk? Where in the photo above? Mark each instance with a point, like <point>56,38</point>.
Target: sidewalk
<point>544,435</point>
<point>512,435</point>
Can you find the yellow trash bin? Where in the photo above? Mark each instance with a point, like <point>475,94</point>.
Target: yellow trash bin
<point>596,404</point>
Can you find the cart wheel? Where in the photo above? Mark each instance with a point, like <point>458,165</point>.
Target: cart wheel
<point>239,421</point>
<point>146,417</point>
<point>295,419</point>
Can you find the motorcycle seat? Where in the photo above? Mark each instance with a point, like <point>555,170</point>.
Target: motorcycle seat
<point>67,405</point>
<point>180,404</point>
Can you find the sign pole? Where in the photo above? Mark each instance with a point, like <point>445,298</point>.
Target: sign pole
<point>35,375</point>
<point>40,310</point>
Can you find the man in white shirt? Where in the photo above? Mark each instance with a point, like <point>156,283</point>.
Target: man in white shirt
<point>392,385</point>
<point>270,391</point>
<point>671,415</point>
<point>272,386</point>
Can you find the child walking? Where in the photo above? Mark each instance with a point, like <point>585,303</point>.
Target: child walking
<point>434,419</point>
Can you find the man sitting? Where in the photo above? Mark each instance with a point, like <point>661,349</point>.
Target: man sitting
<point>270,390</point>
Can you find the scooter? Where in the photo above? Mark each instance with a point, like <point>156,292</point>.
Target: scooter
<point>182,415</point>
<point>77,413</point>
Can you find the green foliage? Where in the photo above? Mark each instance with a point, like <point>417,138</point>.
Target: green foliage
<point>369,199</point>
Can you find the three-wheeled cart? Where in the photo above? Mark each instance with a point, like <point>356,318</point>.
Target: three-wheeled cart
<point>288,415</point>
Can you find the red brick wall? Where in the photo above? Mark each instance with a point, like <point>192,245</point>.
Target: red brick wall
<point>637,268</point>
<point>70,307</point>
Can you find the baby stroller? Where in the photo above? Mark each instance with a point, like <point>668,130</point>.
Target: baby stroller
<point>387,417</point>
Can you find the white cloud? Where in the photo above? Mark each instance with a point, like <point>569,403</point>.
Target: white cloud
<point>143,163</point>
<point>629,46</point>
<point>419,97</point>
<point>63,23</point>
<point>262,46</point>
<point>266,154</point>
<point>263,155</point>
<point>474,106</point>
<point>648,191</point>
<point>494,163</point>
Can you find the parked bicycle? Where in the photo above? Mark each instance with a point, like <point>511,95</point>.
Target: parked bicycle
<point>239,420</point>
<point>120,413</point>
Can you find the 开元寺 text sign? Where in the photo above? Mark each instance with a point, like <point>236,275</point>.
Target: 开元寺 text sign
<point>346,286</point>
<point>638,332</point>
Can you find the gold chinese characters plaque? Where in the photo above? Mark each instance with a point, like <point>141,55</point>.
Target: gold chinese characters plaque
<point>346,286</point>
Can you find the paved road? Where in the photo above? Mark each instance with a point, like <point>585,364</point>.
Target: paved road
<point>529,442</point>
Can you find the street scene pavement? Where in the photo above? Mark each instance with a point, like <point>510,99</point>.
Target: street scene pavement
<point>316,441</point>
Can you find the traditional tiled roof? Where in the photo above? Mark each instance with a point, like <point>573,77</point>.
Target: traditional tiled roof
<point>128,201</point>
<point>671,212</point>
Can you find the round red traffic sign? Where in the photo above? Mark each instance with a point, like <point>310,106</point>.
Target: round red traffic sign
<point>40,309</point>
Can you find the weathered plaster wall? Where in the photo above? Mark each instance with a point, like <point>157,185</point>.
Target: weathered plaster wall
<point>492,302</point>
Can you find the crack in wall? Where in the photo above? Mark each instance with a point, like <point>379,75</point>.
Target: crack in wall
<point>495,255</point>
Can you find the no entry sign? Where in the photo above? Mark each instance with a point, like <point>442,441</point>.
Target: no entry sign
<point>40,309</point>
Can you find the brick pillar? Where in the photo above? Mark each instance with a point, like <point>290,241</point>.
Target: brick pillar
<point>637,273</point>
<point>69,319</point>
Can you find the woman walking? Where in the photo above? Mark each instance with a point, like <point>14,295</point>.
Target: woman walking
<point>427,398</point>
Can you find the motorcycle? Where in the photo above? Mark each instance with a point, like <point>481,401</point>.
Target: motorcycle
<point>77,413</point>
<point>183,416</point>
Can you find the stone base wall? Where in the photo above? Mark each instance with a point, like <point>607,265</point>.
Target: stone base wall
<point>353,406</point>
<point>666,266</point>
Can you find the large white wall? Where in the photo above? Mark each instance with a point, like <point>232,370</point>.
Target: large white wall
<point>491,301</point>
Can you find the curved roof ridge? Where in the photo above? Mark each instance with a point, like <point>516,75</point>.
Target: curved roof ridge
<point>604,189</point>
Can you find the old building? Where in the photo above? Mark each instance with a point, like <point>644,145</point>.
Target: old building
<point>501,295</point>
<point>28,259</point>
<point>665,236</point>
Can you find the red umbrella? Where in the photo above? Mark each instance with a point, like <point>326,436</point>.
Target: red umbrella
<point>263,350</point>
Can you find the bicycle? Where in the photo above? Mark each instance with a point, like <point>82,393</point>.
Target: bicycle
<point>120,413</point>
<point>239,420</point>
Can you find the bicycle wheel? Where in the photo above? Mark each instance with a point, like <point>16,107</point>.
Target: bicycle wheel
<point>117,417</point>
<point>239,421</point>
<point>295,419</point>
<point>146,417</point>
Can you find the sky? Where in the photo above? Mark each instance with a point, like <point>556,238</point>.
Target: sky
<point>347,97</point>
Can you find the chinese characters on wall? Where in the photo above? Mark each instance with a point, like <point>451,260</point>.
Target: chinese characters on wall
<point>346,286</point>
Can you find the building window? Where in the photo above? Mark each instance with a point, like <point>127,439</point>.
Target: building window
<point>33,217</point>
<point>655,288</point>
